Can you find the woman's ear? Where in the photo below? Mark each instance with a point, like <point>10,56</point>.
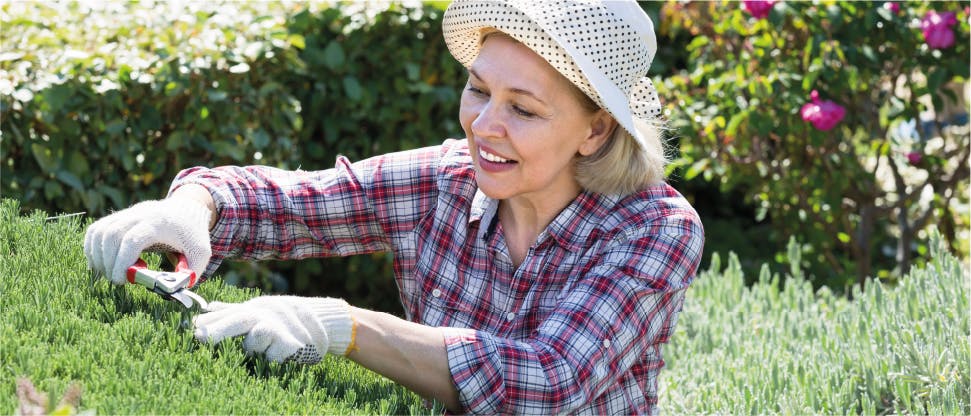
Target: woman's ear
<point>602,126</point>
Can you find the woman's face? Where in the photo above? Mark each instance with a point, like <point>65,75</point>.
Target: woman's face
<point>524,124</point>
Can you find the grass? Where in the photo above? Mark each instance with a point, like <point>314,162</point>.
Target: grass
<point>771,348</point>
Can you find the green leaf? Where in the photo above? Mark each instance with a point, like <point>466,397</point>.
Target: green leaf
<point>936,79</point>
<point>77,163</point>
<point>260,139</point>
<point>297,40</point>
<point>56,97</point>
<point>843,237</point>
<point>734,122</point>
<point>333,55</point>
<point>115,127</point>
<point>117,199</point>
<point>175,141</point>
<point>696,168</point>
<point>45,158</point>
<point>353,88</point>
<point>300,22</point>
<point>229,148</point>
<point>217,95</point>
<point>53,190</point>
<point>70,179</point>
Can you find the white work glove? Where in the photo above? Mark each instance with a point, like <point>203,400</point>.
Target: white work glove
<point>115,242</point>
<point>284,328</point>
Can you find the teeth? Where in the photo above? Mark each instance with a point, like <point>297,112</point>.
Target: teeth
<point>491,157</point>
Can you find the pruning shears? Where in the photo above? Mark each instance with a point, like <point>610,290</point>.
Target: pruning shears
<point>173,286</point>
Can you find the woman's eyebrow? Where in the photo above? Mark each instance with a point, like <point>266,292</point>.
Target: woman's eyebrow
<point>514,90</point>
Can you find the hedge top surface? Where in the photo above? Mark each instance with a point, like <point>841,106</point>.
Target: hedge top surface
<point>133,353</point>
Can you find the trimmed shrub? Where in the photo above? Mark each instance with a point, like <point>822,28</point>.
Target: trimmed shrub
<point>132,352</point>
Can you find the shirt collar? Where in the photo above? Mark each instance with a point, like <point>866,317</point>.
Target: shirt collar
<point>483,211</point>
<point>574,225</point>
<point>571,227</point>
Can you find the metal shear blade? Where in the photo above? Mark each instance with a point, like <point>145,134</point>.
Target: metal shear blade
<point>171,286</point>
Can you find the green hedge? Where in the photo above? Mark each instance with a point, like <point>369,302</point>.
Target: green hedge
<point>132,352</point>
<point>92,124</point>
<point>763,349</point>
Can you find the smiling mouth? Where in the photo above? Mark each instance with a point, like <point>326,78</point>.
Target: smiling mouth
<point>493,158</point>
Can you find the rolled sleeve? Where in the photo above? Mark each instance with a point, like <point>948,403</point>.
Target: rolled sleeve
<point>353,208</point>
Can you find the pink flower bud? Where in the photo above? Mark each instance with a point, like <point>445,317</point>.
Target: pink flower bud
<point>824,115</point>
<point>914,158</point>
<point>893,6</point>
<point>937,29</point>
<point>759,9</point>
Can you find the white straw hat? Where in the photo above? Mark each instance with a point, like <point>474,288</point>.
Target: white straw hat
<point>603,47</point>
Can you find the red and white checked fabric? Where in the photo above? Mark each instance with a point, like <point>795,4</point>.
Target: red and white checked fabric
<point>576,328</point>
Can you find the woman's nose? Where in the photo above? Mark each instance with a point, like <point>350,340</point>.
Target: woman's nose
<point>488,122</point>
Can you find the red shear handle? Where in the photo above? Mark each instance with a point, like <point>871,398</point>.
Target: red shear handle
<point>139,264</point>
<point>181,266</point>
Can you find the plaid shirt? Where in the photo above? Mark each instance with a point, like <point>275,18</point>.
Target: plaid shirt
<point>577,327</point>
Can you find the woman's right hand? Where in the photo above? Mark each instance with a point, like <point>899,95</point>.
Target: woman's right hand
<point>175,224</point>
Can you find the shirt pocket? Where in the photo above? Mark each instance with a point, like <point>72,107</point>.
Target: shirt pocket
<point>447,292</point>
<point>443,298</point>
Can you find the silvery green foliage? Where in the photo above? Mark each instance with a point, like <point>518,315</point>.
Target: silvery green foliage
<point>783,348</point>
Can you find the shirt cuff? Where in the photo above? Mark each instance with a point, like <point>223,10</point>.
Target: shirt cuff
<point>473,360</point>
<point>221,235</point>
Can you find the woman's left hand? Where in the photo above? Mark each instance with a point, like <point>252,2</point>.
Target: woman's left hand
<point>284,328</point>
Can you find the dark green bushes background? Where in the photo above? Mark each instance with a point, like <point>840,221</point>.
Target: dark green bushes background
<point>296,95</point>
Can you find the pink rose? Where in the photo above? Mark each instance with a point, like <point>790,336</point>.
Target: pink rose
<point>914,158</point>
<point>937,29</point>
<point>824,115</point>
<point>893,6</point>
<point>758,8</point>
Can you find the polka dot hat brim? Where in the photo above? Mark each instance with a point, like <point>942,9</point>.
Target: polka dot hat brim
<point>603,47</point>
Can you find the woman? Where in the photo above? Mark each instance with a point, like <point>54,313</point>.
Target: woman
<point>541,262</point>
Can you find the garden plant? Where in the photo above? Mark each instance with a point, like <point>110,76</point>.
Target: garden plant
<point>778,346</point>
<point>846,123</point>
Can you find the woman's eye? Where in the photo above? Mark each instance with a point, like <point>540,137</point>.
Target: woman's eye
<point>475,90</point>
<point>522,112</point>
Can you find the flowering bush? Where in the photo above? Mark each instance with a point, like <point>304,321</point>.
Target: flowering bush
<point>848,182</point>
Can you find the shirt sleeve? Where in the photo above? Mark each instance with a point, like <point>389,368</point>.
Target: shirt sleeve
<point>353,208</point>
<point>627,303</point>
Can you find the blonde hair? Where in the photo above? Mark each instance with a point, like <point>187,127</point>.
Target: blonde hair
<point>621,166</point>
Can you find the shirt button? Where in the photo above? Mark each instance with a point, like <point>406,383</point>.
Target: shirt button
<point>510,316</point>
<point>437,293</point>
<point>606,343</point>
